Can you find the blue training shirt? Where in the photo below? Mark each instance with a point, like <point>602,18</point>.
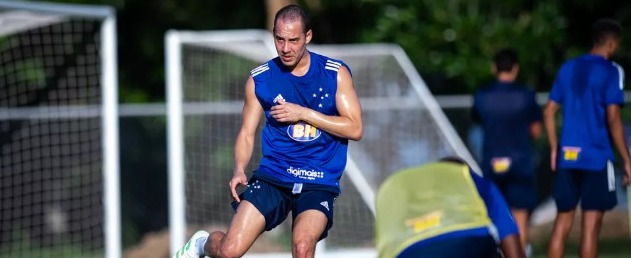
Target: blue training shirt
<point>584,87</point>
<point>299,152</point>
<point>506,111</point>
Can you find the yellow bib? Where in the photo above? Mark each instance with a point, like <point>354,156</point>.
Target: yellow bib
<point>423,202</point>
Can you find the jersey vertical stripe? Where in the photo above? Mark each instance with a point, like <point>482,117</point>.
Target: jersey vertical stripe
<point>620,75</point>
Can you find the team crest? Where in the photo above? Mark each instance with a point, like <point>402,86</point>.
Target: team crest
<point>303,132</point>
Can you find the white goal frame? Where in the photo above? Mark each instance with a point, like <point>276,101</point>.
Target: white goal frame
<point>176,109</point>
<point>108,109</point>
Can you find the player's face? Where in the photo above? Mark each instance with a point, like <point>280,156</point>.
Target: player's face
<point>291,41</point>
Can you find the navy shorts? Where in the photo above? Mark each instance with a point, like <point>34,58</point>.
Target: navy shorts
<point>275,202</point>
<point>453,247</point>
<point>596,190</point>
<point>519,189</point>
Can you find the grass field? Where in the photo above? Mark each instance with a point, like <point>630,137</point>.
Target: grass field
<point>607,249</point>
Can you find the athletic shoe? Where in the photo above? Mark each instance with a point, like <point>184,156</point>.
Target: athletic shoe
<point>190,249</point>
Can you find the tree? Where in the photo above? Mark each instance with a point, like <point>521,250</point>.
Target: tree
<point>452,42</point>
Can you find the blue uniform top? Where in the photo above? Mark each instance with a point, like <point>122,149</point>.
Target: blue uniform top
<point>497,209</point>
<point>585,86</point>
<point>506,111</point>
<point>299,152</point>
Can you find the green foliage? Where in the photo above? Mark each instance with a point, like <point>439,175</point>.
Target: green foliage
<point>457,38</point>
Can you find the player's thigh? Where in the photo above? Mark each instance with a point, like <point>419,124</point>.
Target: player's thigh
<point>567,189</point>
<point>521,192</point>
<point>272,202</point>
<point>313,215</point>
<point>598,190</point>
<point>247,224</point>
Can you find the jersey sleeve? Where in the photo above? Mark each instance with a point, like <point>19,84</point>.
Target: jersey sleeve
<point>615,86</point>
<point>496,206</point>
<point>556,93</point>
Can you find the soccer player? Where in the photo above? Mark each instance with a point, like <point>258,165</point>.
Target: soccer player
<point>590,90</point>
<point>311,111</point>
<point>443,209</point>
<point>511,121</point>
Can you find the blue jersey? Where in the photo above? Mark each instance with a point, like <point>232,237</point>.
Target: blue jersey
<point>506,111</point>
<point>584,87</point>
<point>300,152</point>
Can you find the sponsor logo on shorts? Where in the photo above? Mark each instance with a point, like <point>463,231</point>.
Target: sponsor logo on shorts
<point>325,204</point>
<point>305,174</point>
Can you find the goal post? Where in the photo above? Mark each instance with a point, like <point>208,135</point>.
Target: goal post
<point>206,72</point>
<point>59,164</point>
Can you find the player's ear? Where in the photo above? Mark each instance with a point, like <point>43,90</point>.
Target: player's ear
<point>516,68</point>
<point>308,35</point>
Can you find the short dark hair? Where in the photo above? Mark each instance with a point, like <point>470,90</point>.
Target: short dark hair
<point>505,59</point>
<point>453,159</point>
<point>294,12</point>
<point>605,29</point>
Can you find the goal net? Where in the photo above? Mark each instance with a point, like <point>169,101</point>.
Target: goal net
<point>58,131</point>
<point>403,126</point>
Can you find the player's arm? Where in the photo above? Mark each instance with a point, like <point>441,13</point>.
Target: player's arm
<point>535,130</point>
<point>535,116</point>
<point>500,216</point>
<point>549,114</point>
<point>511,247</point>
<point>616,130</point>
<point>244,145</point>
<point>347,125</point>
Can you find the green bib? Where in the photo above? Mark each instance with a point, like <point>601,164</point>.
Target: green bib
<point>423,202</point>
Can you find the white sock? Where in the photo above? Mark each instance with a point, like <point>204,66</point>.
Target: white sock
<point>200,245</point>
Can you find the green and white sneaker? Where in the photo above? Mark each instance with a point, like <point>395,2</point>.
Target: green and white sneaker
<point>190,249</point>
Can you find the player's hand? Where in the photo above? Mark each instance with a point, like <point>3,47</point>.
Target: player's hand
<point>626,179</point>
<point>286,112</point>
<point>553,159</point>
<point>239,178</point>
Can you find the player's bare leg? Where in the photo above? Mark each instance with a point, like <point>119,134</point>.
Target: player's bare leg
<point>521,217</point>
<point>307,229</point>
<point>562,226</point>
<point>246,226</point>
<point>591,224</point>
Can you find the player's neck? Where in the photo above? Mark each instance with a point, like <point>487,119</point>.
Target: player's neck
<point>506,77</point>
<point>599,51</point>
<point>302,67</point>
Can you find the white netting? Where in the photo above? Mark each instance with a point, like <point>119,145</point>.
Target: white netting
<point>403,127</point>
<point>51,148</point>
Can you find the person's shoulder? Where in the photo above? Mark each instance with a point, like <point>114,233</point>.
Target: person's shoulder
<point>328,63</point>
<point>523,88</point>
<point>263,69</point>
<point>616,67</point>
<point>486,88</point>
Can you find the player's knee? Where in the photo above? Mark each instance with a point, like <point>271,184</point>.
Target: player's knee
<point>230,250</point>
<point>214,242</point>
<point>303,248</point>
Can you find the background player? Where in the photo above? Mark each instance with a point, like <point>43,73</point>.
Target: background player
<point>590,89</point>
<point>511,120</point>
<point>443,209</point>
